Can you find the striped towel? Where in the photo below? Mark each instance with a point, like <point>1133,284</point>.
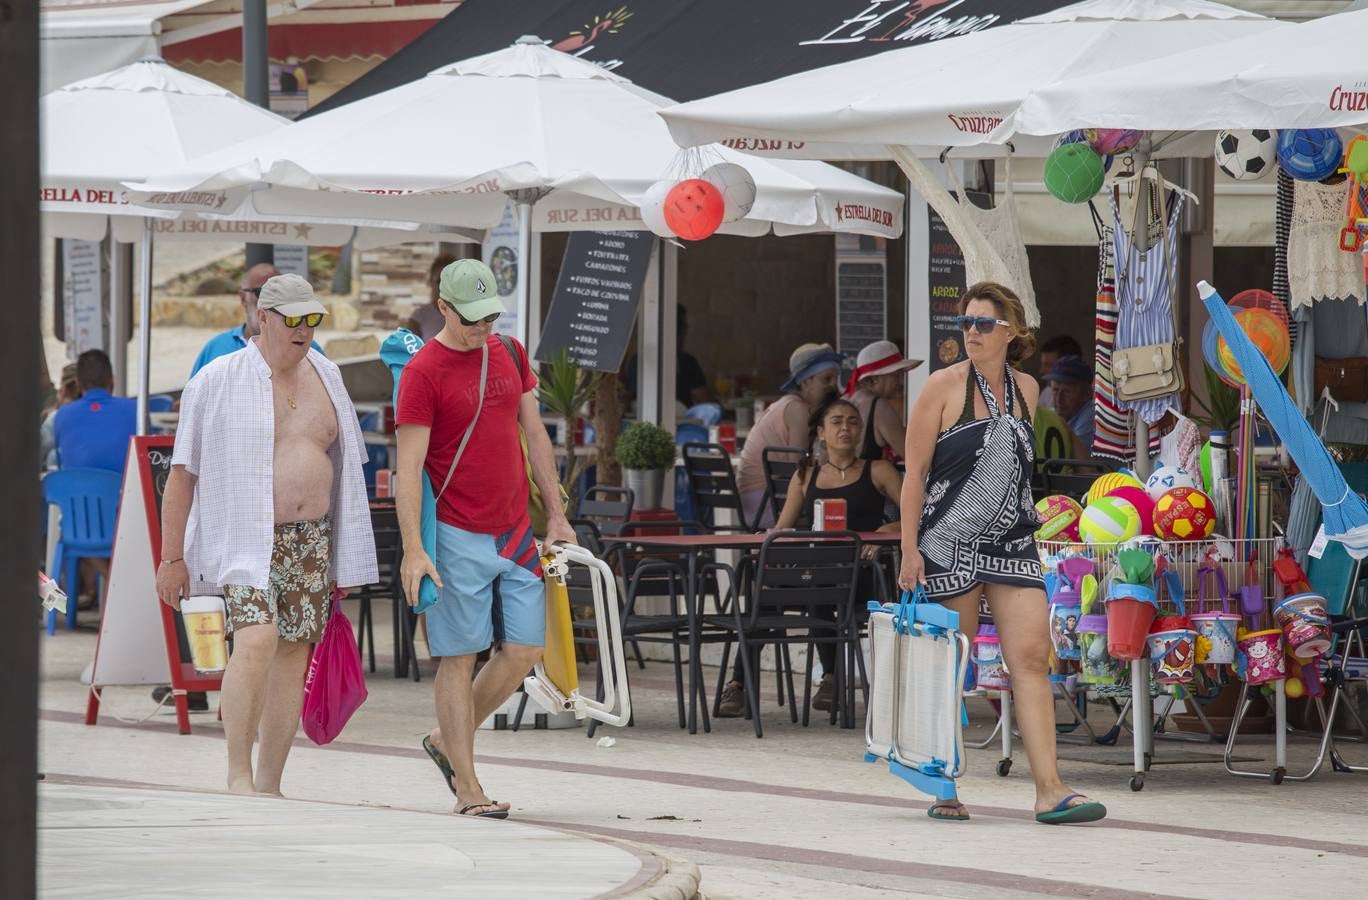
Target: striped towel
<point>1111,439</point>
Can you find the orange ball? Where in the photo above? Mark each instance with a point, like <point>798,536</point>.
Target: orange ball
<point>694,209</point>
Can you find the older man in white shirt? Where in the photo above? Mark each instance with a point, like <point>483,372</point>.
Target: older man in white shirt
<point>266,504</point>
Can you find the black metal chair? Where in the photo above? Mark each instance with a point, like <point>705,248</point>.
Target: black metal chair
<point>389,552</point>
<point>779,464</point>
<point>1070,477</point>
<point>712,485</point>
<point>785,597</point>
<point>607,507</point>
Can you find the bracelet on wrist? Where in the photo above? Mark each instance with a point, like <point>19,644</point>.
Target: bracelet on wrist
<point>172,562</point>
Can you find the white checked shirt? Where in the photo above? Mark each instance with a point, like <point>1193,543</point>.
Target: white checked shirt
<point>226,439</point>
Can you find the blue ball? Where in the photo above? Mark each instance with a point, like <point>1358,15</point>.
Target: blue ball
<point>1310,154</point>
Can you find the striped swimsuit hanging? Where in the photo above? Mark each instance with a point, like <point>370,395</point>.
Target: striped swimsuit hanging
<point>1111,437</point>
<point>1142,295</point>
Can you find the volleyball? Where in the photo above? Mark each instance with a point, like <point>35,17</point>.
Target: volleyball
<point>1108,521</point>
<point>1166,478</point>
<point>1105,484</point>
<point>1059,517</point>
<point>1109,141</point>
<point>1144,506</point>
<point>1184,514</point>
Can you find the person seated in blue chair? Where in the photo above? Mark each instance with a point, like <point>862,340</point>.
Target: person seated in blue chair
<point>93,431</point>
<point>234,339</point>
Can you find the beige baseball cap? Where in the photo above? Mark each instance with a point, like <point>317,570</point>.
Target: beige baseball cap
<point>290,295</point>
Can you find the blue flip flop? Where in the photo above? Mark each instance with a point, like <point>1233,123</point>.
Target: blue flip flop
<point>957,813</point>
<point>1064,814</point>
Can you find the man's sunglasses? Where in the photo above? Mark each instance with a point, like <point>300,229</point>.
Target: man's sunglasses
<point>311,319</point>
<point>984,324</point>
<point>487,320</point>
<point>256,291</point>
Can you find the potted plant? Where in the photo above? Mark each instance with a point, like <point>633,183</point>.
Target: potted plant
<point>646,453</point>
<point>564,389</point>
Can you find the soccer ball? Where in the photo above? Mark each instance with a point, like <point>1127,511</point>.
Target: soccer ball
<point>1166,478</point>
<point>1108,521</point>
<point>1059,517</point>
<point>1105,484</point>
<point>1184,514</point>
<point>1247,155</point>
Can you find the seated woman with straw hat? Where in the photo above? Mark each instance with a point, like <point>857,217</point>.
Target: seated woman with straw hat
<point>877,388</point>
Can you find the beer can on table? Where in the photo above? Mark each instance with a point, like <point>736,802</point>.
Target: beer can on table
<point>828,514</point>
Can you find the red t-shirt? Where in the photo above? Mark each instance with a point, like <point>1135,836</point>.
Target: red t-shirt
<point>440,388</point>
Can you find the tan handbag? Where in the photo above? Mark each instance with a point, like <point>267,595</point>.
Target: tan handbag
<point>1152,370</point>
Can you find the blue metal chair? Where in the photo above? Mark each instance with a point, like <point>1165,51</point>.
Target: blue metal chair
<point>89,502</point>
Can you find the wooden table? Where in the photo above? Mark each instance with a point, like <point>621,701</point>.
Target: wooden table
<point>692,546</point>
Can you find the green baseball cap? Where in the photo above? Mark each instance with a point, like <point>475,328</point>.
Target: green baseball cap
<point>469,286</point>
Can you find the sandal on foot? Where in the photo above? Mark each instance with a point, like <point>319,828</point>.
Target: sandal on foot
<point>494,811</point>
<point>439,758</point>
<point>1064,814</point>
<point>948,811</point>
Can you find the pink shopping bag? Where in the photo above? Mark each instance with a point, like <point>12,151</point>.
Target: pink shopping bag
<point>335,687</point>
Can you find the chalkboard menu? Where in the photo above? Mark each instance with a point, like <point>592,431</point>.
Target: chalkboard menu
<point>154,455</point>
<point>595,303</point>
<point>861,292</point>
<point>946,282</point>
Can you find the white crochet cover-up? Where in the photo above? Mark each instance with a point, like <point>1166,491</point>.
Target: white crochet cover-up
<point>1317,268</point>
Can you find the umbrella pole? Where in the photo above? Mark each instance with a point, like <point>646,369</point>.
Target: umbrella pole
<point>145,326</point>
<point>524,269</point>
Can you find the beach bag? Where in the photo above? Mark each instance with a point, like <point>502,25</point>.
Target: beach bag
<point>335,686</point>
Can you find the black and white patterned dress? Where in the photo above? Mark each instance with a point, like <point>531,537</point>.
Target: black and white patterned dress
<point>978,522</point>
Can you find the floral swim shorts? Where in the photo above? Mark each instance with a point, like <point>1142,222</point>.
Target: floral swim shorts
<point>297,601</point>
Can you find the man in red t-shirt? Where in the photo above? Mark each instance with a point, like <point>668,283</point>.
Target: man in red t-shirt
<point>483,532</point>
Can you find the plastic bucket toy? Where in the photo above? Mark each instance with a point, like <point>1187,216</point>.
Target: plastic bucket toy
<point>1217,627</point>
<point>1305,625</point>
<point>1098,667</point>
<point>1263,655</point>
<point>1172,649</point>
<point>1130,611</point>
<point>991,670</point>
<point>1065,613</point>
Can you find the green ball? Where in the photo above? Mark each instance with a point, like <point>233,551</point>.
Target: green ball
<point>1074,173</point>
<point>1206,467</point>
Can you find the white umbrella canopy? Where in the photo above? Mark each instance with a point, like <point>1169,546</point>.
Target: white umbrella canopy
<point>1311,75</point>
<point>957,92</point>
<point>528,122</point>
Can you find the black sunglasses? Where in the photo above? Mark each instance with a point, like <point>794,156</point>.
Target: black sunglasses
<point>984,324</point>
<point>487,320</point>
<point>256,291</point>
<point>311,319</point>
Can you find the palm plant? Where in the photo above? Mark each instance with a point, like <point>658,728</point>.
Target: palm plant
<point>564,389</point>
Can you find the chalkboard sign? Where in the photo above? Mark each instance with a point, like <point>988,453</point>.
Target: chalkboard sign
<point>946,281</point>
<point>595,303</point>
<point>861,292</point>
<point>156,458</point>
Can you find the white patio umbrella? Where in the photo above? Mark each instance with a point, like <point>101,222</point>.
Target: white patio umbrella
<point>957,92</point>
<point>1312,75</point>
<point>574,145</point>
<point>140,119</point>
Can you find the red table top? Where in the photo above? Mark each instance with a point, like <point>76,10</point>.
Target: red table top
<point>729,541</point>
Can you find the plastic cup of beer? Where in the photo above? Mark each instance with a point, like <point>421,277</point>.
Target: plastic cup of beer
<point>204,626</point>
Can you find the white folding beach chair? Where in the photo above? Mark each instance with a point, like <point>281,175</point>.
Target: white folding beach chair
<point>554,682</point>
<point>918,660</point>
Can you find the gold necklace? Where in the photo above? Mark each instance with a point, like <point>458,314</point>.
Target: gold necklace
<point>839,469</point>
<point>291,401</point>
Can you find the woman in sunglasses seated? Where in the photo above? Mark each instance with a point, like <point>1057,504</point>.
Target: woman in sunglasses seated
<point>970,451</point>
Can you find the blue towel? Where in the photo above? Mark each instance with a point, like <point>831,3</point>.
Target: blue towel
<point>396,352</point>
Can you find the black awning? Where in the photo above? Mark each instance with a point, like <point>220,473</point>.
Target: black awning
<point>686,49</point>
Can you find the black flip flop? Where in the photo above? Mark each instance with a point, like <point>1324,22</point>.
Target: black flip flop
<point>495,813</point>
<point>439,758</point>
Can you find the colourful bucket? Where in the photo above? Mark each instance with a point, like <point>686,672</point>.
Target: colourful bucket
<point>1130,610</point>
<point>1218,628</point>
<point>1263,656</point>
<point>1065,612</point>
<point>990,671</point>
<point>1172,649</point>
<point>1099,668</point>
<point>1305,625</point>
